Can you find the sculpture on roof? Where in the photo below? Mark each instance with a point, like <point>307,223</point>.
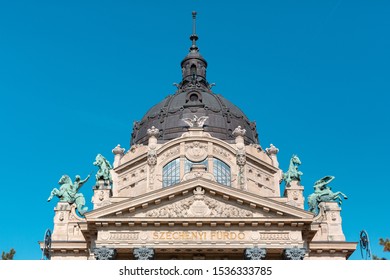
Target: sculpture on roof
<point>323,193</point>
<point>293,173</point>
<point>68,192</point>
<point>104,170</point>
<point>196,121</point>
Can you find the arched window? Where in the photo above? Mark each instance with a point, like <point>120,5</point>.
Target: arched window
<point>222,172</point>
<point>193,70</point>
<point>171,173</point>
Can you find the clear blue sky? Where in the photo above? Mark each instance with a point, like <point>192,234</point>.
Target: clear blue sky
<point>74,75</point>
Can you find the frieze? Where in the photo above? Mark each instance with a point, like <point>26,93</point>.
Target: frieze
<point>162,236</point>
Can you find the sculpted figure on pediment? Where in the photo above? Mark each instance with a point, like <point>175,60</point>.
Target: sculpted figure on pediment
<point>199,205</point>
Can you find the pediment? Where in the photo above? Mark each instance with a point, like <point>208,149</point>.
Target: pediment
<point>197,199</point>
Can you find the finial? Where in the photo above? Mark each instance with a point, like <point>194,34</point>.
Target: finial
<point>194,37</point>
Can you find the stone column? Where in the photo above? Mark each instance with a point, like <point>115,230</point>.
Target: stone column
<point>294,253</point>
<point>104,253</point>
<point>239,133</point>
<point>118,154</point>
<point>143,253</point>
<point>255,253</point>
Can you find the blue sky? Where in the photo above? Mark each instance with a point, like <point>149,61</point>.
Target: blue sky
<point>74,76</point>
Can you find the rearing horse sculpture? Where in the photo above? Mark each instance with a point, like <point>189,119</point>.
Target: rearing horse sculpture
<point>293,173</point>
<point>104,170</point>
<point>323,193</point>
<point>68,192</point>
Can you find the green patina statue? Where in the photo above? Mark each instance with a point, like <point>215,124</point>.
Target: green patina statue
<point>104,170</point>
<point>68,192</point>
<point>293,173</point>
<point>323,193</point>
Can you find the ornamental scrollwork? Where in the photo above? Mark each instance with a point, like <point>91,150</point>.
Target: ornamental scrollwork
<point>294,253</point>
<point>104,253</point>
<point>255,253</point>
<point>143,253</point>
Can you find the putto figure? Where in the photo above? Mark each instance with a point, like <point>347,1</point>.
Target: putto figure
<point>68,192</point>
<point>104,170</point>
<point>323,193</point>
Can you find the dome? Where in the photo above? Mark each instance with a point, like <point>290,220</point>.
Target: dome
<point>168,115</point>
<point>194,98</point>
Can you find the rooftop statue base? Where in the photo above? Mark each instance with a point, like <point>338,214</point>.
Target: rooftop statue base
<point>329,223</point>
<point>101,195</point>
<point>294,194</point>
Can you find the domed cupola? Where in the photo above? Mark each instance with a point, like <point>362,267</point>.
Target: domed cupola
<point>194,97</point>
<point>194,66</point>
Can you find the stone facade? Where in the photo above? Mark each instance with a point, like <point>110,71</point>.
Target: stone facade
<point>198,218</point>
<point>196,184</point>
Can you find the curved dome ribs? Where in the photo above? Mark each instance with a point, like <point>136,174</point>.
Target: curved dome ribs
<point>194,97</point>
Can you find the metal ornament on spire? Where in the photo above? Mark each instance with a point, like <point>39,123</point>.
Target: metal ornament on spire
<point>194,37</point>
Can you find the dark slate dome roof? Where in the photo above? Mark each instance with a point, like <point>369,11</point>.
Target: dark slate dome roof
<point>167,116</point>
<point>194,97</point>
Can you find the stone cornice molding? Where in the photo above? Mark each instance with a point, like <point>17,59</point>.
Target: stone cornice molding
<point>185,189</point>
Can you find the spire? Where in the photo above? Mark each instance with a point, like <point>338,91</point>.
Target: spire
<point>194,65</point>
<point>194,37</point>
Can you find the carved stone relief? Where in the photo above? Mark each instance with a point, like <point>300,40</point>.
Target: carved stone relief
<point>199,205</point>
<point>222,153</point>
<point>196,151</point>
<point>170,153</point>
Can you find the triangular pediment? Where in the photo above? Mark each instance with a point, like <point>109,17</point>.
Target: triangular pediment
<point>198,199</point>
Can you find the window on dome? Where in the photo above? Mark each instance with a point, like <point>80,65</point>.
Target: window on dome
<point>193,70</point>
<point>171,173</point>
<point>189,163</point>
<point>222,172</point>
